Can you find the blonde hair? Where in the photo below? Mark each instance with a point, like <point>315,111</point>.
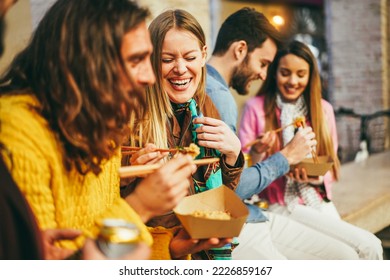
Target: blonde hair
<point>158,107</point>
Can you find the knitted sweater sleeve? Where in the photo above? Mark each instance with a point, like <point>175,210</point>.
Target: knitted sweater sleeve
<point>60,198</point>
<point>25,142</point>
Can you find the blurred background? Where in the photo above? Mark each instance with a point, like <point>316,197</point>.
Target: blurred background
<point>350,39</point>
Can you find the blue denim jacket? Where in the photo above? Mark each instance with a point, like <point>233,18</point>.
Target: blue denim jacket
<point>256,178</point>
<point>222,98</point>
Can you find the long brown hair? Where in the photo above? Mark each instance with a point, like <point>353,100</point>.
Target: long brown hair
<point>73,66</point>
<point>312,95</point>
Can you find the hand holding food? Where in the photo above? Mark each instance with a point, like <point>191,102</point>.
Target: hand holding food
<point>301,145</point>
<point>182,244</point>
<point>147,155</point>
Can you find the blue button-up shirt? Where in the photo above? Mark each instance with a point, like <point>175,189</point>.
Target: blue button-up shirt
<point>223,99</point>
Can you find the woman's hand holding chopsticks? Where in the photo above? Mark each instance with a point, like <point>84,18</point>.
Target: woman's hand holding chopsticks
<point>147,155</point>
<point>300,146</point>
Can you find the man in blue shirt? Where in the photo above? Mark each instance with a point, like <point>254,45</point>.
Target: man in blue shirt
<point>246,44</point>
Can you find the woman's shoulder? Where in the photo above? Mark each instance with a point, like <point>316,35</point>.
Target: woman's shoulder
<point>326,106</point>
<point>255,101</point>
<point>254,104</point>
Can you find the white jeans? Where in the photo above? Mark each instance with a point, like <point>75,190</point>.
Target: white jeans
<point>284,238</point>
<point>328,222</point>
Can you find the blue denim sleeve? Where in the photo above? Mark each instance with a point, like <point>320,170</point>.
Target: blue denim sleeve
<point>226,108</point>
<point>224,101</point>
<point>256,178</point>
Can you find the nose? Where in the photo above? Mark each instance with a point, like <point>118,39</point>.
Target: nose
<point>180,67</point>
<point>293,80</point>
<point>263,75</point>
<point>146,75</point>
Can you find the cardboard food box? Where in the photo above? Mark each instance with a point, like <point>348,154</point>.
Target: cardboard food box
<point>218,199</point>
<point>315,169</point>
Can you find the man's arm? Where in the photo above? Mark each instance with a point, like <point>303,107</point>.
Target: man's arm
<point>256,178</point>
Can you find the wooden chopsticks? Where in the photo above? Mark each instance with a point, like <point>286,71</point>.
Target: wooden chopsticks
<point>257,140</point>
<point>128,150</point>
<point>139,170</point>
<point>297,122</point>
<point>313,153</point>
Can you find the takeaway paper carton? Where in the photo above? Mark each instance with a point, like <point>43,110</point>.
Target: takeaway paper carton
<point>324,164</point>
<point>218,199</point>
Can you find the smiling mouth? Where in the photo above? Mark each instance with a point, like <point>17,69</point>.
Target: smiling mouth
<point>291,90</point>
<point>180,83</point>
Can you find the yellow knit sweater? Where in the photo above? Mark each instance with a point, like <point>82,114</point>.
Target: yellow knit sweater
<point>59,199</point>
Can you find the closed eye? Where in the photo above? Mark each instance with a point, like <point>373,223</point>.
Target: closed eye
<point>167,60</point>
<point>137,58</point>
<point>190,58</point>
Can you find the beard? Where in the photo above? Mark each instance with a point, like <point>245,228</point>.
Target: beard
<point>137,101</point>
<point>2,34</point>
<point>241,77</point>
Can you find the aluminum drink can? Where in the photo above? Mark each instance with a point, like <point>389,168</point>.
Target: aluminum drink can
<point>262,203</point>
<point>248,160</point>
<point>117,237</point>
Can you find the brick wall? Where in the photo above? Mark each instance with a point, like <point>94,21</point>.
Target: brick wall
<point>359,76</point>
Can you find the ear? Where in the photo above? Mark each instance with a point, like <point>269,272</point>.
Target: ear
<point>204,55</point>
<point>240,50</point>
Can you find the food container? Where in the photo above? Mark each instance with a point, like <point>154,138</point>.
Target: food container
<point>324,164</point>
<point>218,199</point>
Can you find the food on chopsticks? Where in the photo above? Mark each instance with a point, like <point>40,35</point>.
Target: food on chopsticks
<point>193,150</point>
<point>301,122</point>
<point>212,214</point>
<point>298,122</point>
